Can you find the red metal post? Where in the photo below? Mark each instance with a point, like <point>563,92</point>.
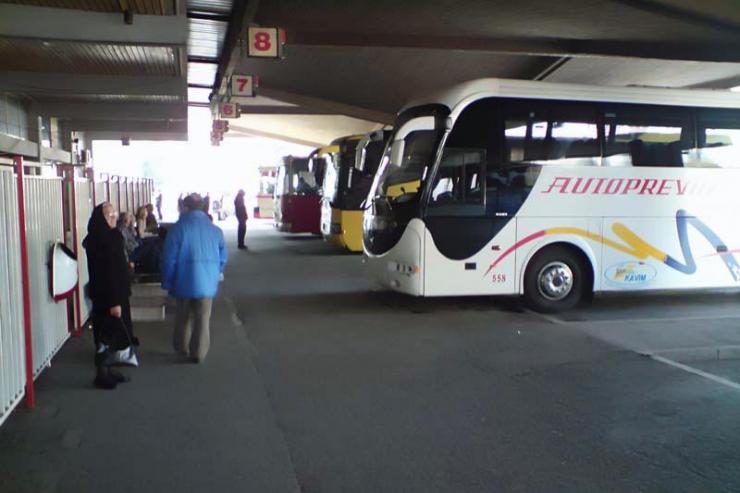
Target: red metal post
<point>30,395</point>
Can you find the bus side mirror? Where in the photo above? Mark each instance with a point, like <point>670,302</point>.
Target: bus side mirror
<point>397,149</point>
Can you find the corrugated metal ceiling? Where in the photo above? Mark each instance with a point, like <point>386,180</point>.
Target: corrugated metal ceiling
<point>146,7</point>
<point>205,42</point>
<point>115,98</point>
<point>86,58</point>
<point>206,37</point>
<point>214,6</point>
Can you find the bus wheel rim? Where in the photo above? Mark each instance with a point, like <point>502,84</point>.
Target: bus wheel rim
<point>555,281</point>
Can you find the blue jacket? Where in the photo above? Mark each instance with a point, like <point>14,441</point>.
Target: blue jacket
<point>194,257</point>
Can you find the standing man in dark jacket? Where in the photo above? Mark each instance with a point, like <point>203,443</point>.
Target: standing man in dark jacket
<point>240,211</point>
<point>193,260</point>
<point>110,288</point>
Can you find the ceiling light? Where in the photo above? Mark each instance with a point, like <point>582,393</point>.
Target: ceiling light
<point>735,89</point>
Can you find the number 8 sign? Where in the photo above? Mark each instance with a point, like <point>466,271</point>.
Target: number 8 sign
<point>264,42</point>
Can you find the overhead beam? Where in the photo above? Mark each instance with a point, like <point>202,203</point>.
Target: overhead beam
<point>111,111</point>
<point>282,110</point>
<point>151,136</point>
<point>557,47</point>
<point>78,84</point>
<point>250,132</point>
<point>55,24</point>
<point>127,126</point>
<point>329,107</point>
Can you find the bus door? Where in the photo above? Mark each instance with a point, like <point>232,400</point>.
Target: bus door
<point>467,209</point>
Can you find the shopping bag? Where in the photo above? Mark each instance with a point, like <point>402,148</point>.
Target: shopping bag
<point>119,349</point>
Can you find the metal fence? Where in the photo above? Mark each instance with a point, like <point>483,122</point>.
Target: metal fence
<point>12,340</point>
<point>101,192</point>
<point>44,226</point>
<point>130,193</point>
<point>84,208</point>
<point>114,195</point>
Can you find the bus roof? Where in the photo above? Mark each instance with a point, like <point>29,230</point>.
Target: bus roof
<point>484,88</point>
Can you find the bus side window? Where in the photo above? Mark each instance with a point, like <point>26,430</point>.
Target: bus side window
<point>458,185</point>
<point>551,133</point>
<point>719,139</point>
<point>646,136</point>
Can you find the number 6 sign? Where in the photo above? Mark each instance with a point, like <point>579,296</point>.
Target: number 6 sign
<point>229,110</point>
<point>264,42</point>
<point>242,85</point>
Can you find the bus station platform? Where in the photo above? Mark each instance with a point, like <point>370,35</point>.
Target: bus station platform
<point>318,382</point>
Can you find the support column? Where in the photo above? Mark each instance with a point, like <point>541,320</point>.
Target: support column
<point>30,393</point>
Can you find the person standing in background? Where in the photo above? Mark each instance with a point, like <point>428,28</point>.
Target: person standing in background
<point>158,204</point>
<point>126,227</point>
<point>151,220</point>
<point>207,203</point>
<point>240,210</point>
<point>193,261</point>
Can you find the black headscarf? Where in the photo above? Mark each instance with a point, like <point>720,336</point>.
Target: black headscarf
<point>98,230</point>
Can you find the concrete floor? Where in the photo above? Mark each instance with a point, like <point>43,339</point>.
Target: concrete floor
<point>318,383</point>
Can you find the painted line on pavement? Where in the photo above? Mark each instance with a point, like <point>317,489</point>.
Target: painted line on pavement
<point>695,371</point>
<point>560,321</point>
<point>549,318</point>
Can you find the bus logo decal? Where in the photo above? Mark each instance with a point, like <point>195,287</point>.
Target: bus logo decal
<point>631,273</point>
<point>634,246</point>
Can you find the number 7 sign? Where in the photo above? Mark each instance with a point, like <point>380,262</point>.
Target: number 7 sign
<point>242,85</point>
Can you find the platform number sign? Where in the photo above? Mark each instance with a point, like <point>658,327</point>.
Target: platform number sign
<point>229,110</point>
<point>264,42</point>
<point>242,85</point>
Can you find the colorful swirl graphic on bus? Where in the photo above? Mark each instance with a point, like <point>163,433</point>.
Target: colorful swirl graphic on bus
<point>636,247</point>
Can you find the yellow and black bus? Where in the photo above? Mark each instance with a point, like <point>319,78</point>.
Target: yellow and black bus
<point>350,166</point>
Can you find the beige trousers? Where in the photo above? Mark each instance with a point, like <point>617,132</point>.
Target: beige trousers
<point>192,327</point>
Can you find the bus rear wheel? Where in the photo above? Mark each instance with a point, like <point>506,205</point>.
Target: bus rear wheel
<point>555,280</point>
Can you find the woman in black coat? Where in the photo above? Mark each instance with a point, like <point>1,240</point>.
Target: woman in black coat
<point>109,289</point>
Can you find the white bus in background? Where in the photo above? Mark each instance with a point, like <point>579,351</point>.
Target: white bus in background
<point>556,191</point>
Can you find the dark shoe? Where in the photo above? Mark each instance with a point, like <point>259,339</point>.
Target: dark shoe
<point>242,247</point>
<point>118,376</point>
<point>104,380</point>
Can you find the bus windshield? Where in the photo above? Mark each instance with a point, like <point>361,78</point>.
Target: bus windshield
<point>339,175</point>
<point>331,176</point>
<point>395,194</point>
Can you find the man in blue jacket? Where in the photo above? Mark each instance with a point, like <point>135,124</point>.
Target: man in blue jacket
<point>193,260</point>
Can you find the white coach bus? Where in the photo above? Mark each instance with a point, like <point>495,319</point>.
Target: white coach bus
<point>556,191</point>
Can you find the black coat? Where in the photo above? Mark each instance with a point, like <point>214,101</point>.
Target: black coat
<point>240,209</point>
<point>110,284</point>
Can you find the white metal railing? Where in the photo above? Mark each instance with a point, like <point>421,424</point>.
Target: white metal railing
<point>113,199</point>
<point>12,340</point>
<point>44,226</point>
<point>101,192</point>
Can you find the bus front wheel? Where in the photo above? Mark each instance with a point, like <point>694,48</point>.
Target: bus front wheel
<point>555,280</point>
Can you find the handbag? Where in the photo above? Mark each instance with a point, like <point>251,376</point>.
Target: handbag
<point>121,357</point>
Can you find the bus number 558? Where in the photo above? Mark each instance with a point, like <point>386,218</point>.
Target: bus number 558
<point>498,278</point>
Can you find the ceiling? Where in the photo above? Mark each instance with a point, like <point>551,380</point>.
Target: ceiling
<point>347,66</point>
<point>369,57</point>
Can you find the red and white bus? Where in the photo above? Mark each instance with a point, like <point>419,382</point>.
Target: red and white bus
<point>556,191</point>
<point>297,196</point>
